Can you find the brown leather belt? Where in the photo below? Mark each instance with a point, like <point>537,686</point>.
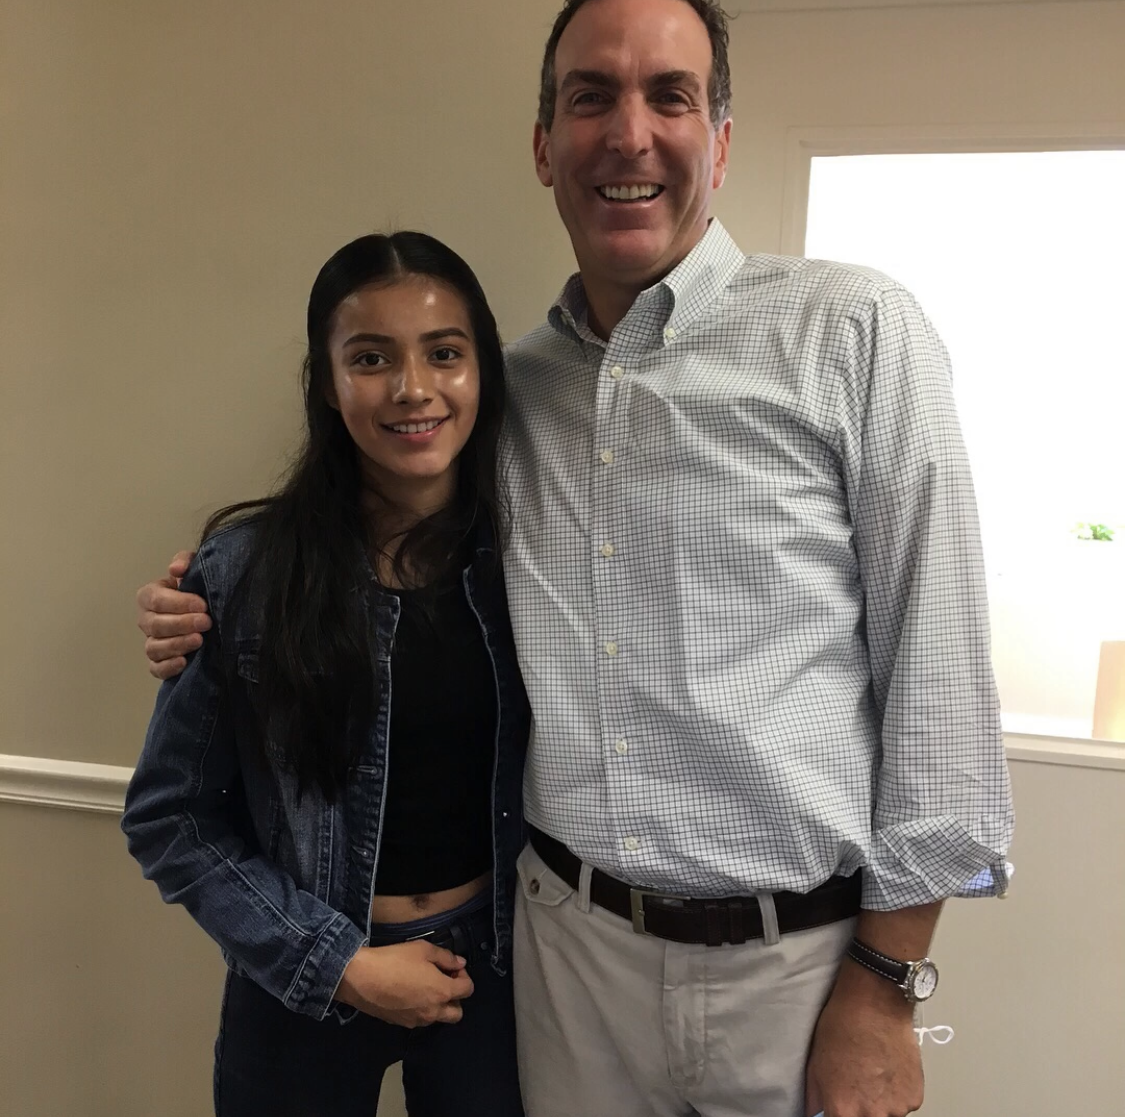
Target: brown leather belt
<point>732,919</point>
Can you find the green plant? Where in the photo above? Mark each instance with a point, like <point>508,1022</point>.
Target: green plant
<point>1100,533</point>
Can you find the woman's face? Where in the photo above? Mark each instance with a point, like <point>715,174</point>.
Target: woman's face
<point>406,381</point>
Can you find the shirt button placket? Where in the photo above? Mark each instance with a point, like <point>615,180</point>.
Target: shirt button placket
<point>611,624</point>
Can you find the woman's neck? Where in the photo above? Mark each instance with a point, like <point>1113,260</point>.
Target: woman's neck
<point>388,525</point>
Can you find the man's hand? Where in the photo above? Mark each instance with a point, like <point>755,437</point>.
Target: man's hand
<point>171,621</point>
<point>411,984</point>
<point>865,1059</point>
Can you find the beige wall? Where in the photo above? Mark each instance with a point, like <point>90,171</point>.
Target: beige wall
<point>171,176</point>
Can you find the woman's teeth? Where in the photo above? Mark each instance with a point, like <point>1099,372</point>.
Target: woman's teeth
<point>416,428</point>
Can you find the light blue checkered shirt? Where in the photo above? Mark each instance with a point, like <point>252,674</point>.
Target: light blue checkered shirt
<point>747,588</point>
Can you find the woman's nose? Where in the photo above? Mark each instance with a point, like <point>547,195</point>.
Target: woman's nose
<point>413,384</point>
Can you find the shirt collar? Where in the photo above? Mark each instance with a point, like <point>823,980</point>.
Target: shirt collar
<point>681,295</point>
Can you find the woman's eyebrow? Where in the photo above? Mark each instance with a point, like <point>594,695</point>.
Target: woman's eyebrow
<point>449,331</point>
<point>378,339</point>
<point>386,339</point>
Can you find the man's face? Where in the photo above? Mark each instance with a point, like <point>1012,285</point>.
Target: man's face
<point>632,154</point>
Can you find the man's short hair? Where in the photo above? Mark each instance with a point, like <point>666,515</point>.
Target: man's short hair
<point>718,86</point>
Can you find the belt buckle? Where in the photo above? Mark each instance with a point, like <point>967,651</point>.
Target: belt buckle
<point>637,906</point>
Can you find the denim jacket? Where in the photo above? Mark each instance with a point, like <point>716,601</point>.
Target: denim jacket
<point>284,883</point>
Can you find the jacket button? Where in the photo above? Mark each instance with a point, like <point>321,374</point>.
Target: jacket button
<point>533,887</point>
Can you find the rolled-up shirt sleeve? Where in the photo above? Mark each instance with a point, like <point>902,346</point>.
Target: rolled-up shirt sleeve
<point>942,812</point>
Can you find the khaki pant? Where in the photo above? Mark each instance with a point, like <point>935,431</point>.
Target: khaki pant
<point>615,1024</point>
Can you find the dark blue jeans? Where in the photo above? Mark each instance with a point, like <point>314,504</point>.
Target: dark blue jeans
<point>271,1061</point>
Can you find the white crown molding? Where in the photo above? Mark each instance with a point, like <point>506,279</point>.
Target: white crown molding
<point>70,784</point>
<point>73,785</point>
<point>752,7</point>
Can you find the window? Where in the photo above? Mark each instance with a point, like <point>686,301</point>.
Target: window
<point>1019,260</point>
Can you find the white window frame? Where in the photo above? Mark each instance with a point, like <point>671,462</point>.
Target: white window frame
<point>803,144</point>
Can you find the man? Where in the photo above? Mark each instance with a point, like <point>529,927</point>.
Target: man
<point>748,598</point>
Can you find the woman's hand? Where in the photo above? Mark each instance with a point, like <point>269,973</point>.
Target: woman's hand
<point>411,984</point>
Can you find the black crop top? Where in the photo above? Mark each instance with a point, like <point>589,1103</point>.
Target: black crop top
<point>437,817</point>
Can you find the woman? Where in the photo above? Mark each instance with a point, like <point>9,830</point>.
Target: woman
<point>331,788</point>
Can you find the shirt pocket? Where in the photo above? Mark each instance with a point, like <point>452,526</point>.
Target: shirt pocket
<point>540,885</point>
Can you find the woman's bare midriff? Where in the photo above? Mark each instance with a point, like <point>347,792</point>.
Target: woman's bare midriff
<point>405,909</point>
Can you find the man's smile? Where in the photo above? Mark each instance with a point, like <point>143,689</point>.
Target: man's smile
<point>630,193</point>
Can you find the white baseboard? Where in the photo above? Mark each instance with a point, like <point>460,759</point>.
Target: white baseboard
<point>77,786</point>
<point>70,784</point>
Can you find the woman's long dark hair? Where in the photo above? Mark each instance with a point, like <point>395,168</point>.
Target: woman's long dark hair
<point>316,660</point>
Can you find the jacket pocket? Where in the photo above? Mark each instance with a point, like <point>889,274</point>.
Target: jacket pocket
<point>540,885</point>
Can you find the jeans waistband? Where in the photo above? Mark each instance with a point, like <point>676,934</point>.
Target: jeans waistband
<point>465,929</point>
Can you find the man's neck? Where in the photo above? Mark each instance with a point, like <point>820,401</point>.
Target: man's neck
<point>606,305</point>
<point>607,301</point>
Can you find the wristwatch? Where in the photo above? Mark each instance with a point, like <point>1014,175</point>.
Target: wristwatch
<point>917,980</point>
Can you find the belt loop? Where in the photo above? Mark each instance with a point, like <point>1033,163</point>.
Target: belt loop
<point>584,875</point>
<point>737,927</point>
<point>713,922</point>
<point>771,936</point>
<point>460,942</point>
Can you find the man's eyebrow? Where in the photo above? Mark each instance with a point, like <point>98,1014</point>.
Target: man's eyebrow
<point>662,80</point>
<point>588,77</point>
<point>676,77</point>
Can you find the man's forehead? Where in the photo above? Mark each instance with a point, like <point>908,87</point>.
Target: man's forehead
<point>646,37</point>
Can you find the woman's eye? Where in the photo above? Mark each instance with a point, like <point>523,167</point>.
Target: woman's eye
<point>446,353</point>
<point>368,360</point>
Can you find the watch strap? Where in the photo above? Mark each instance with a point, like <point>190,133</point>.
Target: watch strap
<point>879,963</point>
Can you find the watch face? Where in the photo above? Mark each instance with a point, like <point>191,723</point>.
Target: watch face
<point>923,982</point>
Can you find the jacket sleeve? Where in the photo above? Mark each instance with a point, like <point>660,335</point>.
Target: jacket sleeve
<point>187,825</point>
<point>942,808</point>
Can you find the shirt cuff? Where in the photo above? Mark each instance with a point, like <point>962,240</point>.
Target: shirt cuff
<point>927,860</point>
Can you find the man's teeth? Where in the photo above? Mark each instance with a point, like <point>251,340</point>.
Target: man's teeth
<point>416,428</point>
<point>629,193</point>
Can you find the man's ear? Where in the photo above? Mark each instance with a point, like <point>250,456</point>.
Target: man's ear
<point>722,153</point>
<point>542,145</point>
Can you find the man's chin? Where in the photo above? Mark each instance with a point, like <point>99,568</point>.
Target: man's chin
<point>634,256</point>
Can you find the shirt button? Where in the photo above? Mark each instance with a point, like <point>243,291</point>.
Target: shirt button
<point>533,887</point>
<point>606,456</point>
<point>608,550</point>
<point>621,748</point>
<point>669,333</point>
<point>617,372</point>
<point>611,648</point>
<point>631,844</point>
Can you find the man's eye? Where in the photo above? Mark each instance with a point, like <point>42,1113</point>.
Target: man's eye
<point>590,97</point>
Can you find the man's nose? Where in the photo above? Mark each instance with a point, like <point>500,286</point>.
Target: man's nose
<point>630,127</point>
